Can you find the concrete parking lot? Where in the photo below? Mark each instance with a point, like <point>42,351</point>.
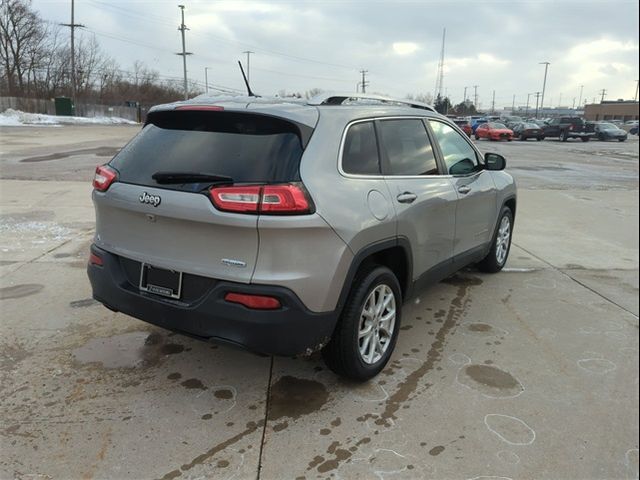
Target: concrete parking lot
<point>530,373</point>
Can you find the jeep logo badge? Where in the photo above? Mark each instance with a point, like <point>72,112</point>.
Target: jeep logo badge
<point>150,199</point>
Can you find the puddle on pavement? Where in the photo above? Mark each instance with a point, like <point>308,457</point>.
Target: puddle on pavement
<point>511,430</point>
<point>293,397</point>
<point>128,350</point>
<point>482,330</point>
<point>19,291</point>
<point>490,380</point>
<point>98,151</point>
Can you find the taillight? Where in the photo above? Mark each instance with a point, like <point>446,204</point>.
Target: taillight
<point>104,177</point>
<point>282,199</point>
<point>256,302</point>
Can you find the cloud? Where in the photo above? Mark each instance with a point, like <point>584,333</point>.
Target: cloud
<point>405,48</point>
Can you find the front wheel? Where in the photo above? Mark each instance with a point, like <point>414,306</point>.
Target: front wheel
<point>500,245</point>
<point>367,330</point>
<point>621,139</point>
<point>563,136</point>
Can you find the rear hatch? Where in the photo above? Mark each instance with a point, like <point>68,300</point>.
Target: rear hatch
<point>174,224</point>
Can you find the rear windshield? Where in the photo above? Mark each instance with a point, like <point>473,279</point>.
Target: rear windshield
<point>246,147</point>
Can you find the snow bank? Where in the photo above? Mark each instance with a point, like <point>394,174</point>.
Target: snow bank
<point>16,118</point>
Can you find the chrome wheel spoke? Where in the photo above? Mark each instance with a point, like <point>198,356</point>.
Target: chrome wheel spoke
<point>377,324</point>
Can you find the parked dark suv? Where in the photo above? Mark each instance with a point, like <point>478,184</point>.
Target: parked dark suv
<point>289,228</point>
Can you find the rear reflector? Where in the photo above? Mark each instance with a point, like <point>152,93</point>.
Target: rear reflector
<point>283,199</point>
<point>256,302</point>
<point>95,259</point>
<point>104,177</point>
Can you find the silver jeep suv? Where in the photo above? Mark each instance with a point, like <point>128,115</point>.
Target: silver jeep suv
<point>289,228</point>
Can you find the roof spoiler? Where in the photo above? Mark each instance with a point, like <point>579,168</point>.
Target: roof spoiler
<point>340,98</point>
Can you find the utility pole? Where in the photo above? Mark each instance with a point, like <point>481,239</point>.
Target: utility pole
<point>513,105</point>
<point>493,103</point>
<point>580,99</point>
<point>475,96</point>
<point>560,100</point>
<point>183,28</point>
<point>73,27</point>
<point>364,84</point>
<point>544,83</point>
<point>537,94</point>
<point>573,107</point>
<point>248,53</point>
<point>635,97</point>
<point>464,100</point>
<point>526,110</point>
<point>206,80</point>
<point>603,92</point>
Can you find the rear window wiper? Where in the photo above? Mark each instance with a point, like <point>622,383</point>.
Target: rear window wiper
<point>189,177</point>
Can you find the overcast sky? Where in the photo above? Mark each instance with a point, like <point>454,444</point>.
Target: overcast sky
<point>300,45</point>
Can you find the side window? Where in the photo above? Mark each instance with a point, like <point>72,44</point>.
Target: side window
<point>459,157</point>
<point>408,148</point>
<point>360,151</point>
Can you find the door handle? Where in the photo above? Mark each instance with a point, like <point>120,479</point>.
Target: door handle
<point>406,197</point>
<point>464,189</point>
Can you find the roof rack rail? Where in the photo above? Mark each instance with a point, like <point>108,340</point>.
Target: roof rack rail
<point>332,98</point>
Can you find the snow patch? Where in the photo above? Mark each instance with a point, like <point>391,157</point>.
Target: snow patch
<point>16,118</point>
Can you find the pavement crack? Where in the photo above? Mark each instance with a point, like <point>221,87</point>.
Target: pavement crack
<point>582,284</point>
<point>266,418</point>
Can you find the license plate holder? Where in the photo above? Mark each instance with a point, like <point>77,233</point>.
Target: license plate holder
<point>160,281</point>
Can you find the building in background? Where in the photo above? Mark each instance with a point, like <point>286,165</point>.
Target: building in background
<point>612,110</point>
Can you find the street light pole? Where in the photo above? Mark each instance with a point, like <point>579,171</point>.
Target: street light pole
<point>544,83</point>
<point>206,80</point>
<point>580,99</point>
<point>537,94</point>
<point>526,110</point>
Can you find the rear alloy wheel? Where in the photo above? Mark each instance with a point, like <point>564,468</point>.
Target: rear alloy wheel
<point>501,244</point>
<point>368,327</point>
<point>563,136</point>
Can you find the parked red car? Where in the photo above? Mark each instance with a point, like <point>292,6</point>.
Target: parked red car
<point>493,131</point>
<point>465,126</point>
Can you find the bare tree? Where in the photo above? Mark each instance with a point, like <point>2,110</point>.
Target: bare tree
<point>22,36</point>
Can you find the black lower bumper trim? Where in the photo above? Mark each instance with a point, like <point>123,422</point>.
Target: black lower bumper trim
<point>290,330</point>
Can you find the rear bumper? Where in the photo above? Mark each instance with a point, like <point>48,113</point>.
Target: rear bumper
<point>289,330</point>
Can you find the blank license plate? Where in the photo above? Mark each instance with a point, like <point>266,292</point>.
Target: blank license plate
<point>160,281</point>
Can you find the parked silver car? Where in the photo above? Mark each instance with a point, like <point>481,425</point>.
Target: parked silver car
<point>290,228</point>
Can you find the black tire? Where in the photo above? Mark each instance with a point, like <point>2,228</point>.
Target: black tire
<point>490,264</point>
<point>477,137</point>
<point>621,139</point>
<point>601,137</point>
<point>563,136</point>
<point>342,354</point>
<point>522,137</point>
<point>585,139</point>
<point>539,139</point>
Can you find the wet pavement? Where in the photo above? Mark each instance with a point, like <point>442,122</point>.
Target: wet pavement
<point>530,373</point>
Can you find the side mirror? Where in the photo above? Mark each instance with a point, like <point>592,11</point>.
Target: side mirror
<point>493,161</point>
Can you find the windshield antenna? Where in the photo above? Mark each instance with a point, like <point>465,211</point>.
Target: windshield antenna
<point>246,82</point>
